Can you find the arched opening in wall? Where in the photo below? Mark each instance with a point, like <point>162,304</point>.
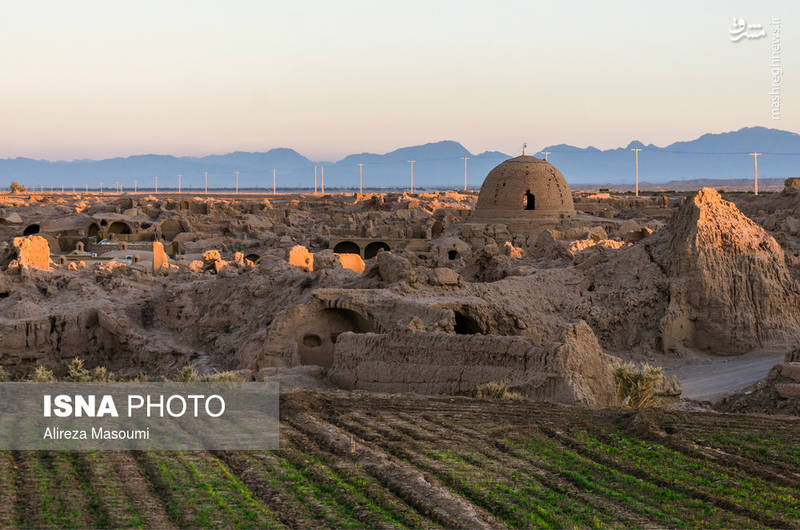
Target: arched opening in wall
<point>252,257</point>
<point>170,228</point>
<point>347,247</point>
<point>93,230</point>
<point>437,229</point>
<point>371,250</point>
<point>118,227</point>
<point>31,229</point>
<point>452,254</point>
<point>529,203</point>
<point>317,339</point>
<point>466,325</point>
<point>103,222</point>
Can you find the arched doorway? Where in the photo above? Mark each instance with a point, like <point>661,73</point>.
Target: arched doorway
<point>93,230</point>
<point>371,250</point>
<point>118,227</point>
<point>347,247</point>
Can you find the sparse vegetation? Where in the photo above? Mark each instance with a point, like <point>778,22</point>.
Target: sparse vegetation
<point>76,373</point>
<point>496,390</point>
<point>189,374</point>
<point>4,376</point>
<point>636,385</point>
<point>41,374</point>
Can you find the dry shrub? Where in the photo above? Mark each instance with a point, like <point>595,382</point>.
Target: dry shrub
<point>42,375</point>
<point>76,373</point>
<point>496,390</point>
<point>636,385</point>
<point>4,375</point>
<point>188,374</point>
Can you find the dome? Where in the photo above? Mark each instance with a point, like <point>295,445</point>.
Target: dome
<point>524,190</point>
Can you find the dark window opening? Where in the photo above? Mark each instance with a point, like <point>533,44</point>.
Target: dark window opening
<point>371,250</point>
<point>452,254</point>
<point>93,230</point>
<point>312,341</point>
<point>30,230</point>
<point>466,325</point>
<point>530,200</point>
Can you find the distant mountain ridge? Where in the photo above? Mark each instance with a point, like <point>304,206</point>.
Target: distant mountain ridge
<point>437,164</point>
<point>711,156</point>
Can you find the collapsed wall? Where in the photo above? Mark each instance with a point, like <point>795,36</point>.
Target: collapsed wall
<point>572,370</point>
<point>730,289</point>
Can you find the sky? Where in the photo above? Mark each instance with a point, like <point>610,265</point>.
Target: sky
<point>95,79</point>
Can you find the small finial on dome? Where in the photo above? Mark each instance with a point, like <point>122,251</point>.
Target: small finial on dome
<point>524,146</point>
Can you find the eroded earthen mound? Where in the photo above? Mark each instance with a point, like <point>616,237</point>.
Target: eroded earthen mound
<point>730,289</point>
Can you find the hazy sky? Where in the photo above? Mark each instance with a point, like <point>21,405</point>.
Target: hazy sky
<point>328,78</point>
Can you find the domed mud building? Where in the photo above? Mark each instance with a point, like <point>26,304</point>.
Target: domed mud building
<point>524,193</point>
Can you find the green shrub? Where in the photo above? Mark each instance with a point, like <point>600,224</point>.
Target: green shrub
<point>636,385</point>
<point>496,390</point>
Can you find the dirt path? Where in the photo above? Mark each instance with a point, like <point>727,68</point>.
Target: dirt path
<point>717,377</point>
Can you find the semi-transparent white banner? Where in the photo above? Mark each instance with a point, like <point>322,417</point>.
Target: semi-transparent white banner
<point>118,416</point>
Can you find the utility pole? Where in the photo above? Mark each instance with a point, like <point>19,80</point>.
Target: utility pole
<point>636,150</point>
<point>315,180</point>
<point>755,169</point>
<point>273,181</point>
<point>237,182</point>
<point>360,178</point>
<point>465,171</point>
<point>101,188</point>
<point>155,180</point>
<point>412,174</point>
<point>62,188</point>
<point>545,153</point>
<point>322,178</point>
<point>135,186</point>
<point>87,188</point>
<point>205,182</point>
<point>179,182</point>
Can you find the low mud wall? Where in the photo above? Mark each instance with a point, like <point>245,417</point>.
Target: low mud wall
<point>440,363</point>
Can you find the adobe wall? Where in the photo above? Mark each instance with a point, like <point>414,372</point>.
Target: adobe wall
<point>573,371</point>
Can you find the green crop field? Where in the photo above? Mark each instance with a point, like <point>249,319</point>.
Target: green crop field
<point>354,461</point>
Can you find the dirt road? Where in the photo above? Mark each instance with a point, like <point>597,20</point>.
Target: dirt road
<point>718,377</point>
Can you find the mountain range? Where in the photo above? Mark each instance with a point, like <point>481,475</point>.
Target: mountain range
<point>437,164</point>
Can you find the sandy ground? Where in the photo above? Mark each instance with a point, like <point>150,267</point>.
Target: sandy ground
<point>709,379</point>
